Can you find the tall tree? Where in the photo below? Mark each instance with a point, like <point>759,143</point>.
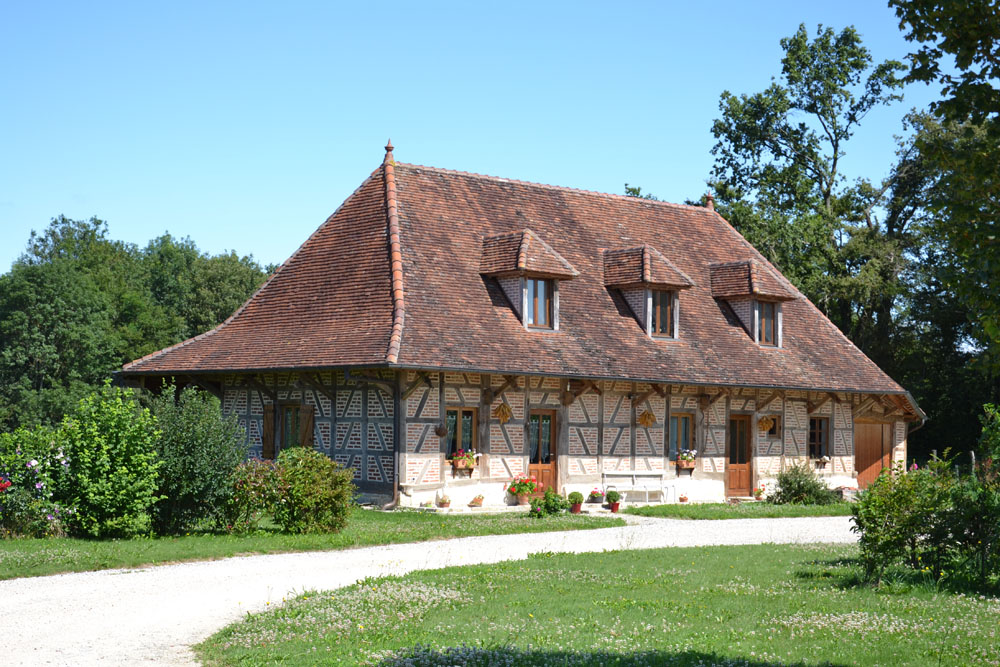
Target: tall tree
<point>778,178</point>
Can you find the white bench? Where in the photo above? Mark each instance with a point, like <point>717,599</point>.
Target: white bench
<point>636,480</point>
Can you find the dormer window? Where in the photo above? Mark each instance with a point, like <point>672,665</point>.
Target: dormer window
<point>540,310</point>
<point>663,313</point>
<point>755,295</point>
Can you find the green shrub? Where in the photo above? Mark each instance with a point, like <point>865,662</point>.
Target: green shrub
<point>199,449</point>
<point>24,515</point>
<point>315,494</point>
<point>612,496</point>
<point>34,460</point>
<point>254,492</point>
<point>575,498</point>
<point>799,485</point>
<point>112,474</point>
<point>989,440</point>
<point>974,522</point>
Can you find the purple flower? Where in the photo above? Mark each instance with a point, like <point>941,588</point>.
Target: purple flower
<point>39,485</point>
<point>32,463</point>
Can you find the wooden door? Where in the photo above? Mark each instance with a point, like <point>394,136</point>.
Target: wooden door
<point>738,475</point>
<point>872,451</point>
<point>542,448</point>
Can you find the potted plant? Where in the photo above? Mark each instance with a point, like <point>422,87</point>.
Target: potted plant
<point>758,493</point>
<point>521,487</point>
<point>575,502</point>
<point>596,496</point>
<point>614,499</point>
<point>683,498</point>
<point>822,461</point>
<point>444,501</point>
<point>477,501</point>
<point>463,459</point>
<point>685,459</point>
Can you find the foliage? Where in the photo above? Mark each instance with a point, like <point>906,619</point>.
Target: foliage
<point>612,496</point>
<point>33,470</point>
<point>113,467</point>
<point>989,440</point>
<point>77,305</point>
<point>199,450</point>
<point>575,498</point>
<point>596,496</point>
<point>636,191</point>
<point>468,456</point>
<point>23,514</point>
<point>315,493</point>
<point>687,455</point>
<point>551,503</point>
<point>522,484</point>
<point>254,491</point>
<point>799,485</point>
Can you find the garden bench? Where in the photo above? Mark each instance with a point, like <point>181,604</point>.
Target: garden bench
<point>636,480</point>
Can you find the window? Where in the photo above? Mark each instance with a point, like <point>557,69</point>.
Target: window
<point>663,313</point>
<point>540,438</point>
<point>767,323</point>
<point>539,311</point>
<point>681,433</point>
<point>775,430</point>
<point>290,426</point>
<point>461,424</point>
<point>818,438</point>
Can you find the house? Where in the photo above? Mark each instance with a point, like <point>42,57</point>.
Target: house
<point>580,337</point>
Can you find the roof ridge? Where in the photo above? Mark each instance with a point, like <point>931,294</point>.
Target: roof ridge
<point>395,256</point>
<point>218,327</point>
<point>522,248</point>
<point>562,188</point>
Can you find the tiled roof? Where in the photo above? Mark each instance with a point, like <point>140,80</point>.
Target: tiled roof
<point>747,278</point>
<point>337,301</point>
<point>641,265</point>
<point>523,253</point>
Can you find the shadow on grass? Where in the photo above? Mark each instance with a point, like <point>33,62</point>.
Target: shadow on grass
<point>848,573</point>
<point>469,656</point>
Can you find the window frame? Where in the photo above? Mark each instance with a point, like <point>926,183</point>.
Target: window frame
<point>656,318</point>
<point>531,309</point>
<point>775,430</point>
<point>460,410</point>
<point>824,446</point>
<point>672,451</point>
<point>762,323</point>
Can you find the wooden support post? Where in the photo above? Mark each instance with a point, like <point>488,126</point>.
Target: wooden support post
<point>422,379</point>
<point>316,383</point>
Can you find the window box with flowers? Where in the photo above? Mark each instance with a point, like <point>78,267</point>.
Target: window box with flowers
<point>463,459</point>
<point>521,487</point>
<point>686,459</point>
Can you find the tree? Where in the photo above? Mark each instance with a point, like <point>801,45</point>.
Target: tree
<point>778,179</point>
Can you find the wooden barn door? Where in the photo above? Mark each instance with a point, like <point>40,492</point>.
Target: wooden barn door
<point>542,448</point>
<point>872,451</point>
<point>738,456</point>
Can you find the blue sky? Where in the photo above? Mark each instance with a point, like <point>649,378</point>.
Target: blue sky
<point>244,125</point>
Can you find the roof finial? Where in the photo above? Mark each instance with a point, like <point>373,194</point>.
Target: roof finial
<point>710,201</point>
<point>388,151</point>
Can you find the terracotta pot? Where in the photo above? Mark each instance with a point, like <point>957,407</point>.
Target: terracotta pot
<point>462,464</point>
<point>685,465</point>
<point>524,499</point>
<point>614,506</point>
<point>575,508</point>
<point>444,505</point>
<point>683,499</point>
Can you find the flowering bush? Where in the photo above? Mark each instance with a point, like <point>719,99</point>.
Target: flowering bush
<point>522,484</point>
<point>687,455</point>
<point>33,475</point>
<point>466,455</point>
<point>254,491</point>
<point>596,496</point>
<point>315,493</point>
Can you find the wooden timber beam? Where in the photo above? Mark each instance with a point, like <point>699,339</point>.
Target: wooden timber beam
<point>490,394</point>
<point>813,406</point>
<point>762,405</point>
<point>316,383</point>
<point>255,383</point>
<point>654,389</point>
<point>214,388</point>
<point>585,385</point>
<point>366,378</point>
<point>422,379</point>
<point>708,400</point>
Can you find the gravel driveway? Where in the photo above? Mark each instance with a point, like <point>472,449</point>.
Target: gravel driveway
<point>153,615</point>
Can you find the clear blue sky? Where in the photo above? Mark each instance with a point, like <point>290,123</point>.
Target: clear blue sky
<point>244,125</point>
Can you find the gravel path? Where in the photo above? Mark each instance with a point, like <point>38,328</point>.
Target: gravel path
<point>153,615</point>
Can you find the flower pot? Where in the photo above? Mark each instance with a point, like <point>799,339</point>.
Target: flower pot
<point>524,499</point>
<point>685,465</point>
<point>444,505</point>
<point>462,464</point>
<point>596,499</point>
<point>683,499</point>
<point>614,506</point>
<point>575,508</point>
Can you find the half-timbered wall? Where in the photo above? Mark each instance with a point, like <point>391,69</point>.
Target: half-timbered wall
<point>357,430</point>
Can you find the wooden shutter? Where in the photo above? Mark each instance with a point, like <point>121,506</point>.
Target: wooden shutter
<point>306,425</point>
<point>267,436</point>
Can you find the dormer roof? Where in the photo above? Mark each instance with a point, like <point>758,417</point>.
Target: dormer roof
<point>523,253</point>
<point>747,278</point>
<point>642,266</point>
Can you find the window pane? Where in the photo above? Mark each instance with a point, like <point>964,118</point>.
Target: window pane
<point>530,315</point>
<point>543,304</point>
<point>451,440</point>
<point>545,441</point>
<point>467,438</point>
<point>686,433</point>
<point>674,446</point>
<point>533,439</point>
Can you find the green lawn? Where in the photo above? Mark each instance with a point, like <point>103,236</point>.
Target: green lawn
<point>755,605</point>
<point>26,558</point>
<point>739,511</point>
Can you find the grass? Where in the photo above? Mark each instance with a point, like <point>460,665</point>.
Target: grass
<point>739,511</point>
<point>753,605</point>
<point>34,557</point>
